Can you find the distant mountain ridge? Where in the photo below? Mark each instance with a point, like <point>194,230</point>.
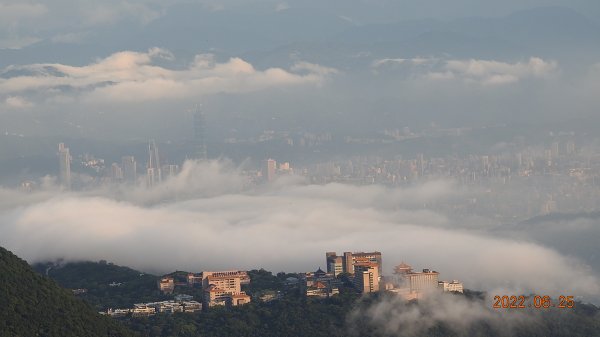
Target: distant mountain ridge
<point>275,38</point>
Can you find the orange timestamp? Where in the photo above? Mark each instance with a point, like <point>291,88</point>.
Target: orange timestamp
<point>536,302</point>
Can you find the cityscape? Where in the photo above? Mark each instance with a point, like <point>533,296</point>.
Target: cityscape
<point>358,272</point>
<point>558,177</point>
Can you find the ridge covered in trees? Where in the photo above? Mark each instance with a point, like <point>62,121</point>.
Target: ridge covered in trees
<point>290,315</point>
<point>33,305</point>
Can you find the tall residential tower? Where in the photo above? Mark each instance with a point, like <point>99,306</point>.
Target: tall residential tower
<point>153,170</point>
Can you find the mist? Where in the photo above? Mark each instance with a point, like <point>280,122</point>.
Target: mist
<point>208,220</point>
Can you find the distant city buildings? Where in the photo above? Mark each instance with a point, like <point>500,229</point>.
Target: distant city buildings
<point>153,168</point>
<point>558,176</point>
<point>269,170</point>
<point>129,167</point>
<point>116,173</point>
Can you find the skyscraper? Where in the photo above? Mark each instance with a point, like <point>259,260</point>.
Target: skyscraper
<point>334,263</point>
<point>64,162</point>
<point>153,171</point>
<point>366,277</point>
<point>129,167</point>
<point>116,172</point>
<point>200,152</point>
<point>347,262</point>
<point>269,169</point>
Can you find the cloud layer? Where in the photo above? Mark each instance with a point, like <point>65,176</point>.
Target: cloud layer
<point>136,77</point>
<point>484,72</point>
<point>203,220</point>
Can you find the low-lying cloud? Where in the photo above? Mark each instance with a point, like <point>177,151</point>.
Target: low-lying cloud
<point>207,218</point>
<point>457,315</point>
<point>484,72</point>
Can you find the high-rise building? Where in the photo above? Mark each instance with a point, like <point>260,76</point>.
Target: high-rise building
<point>334,263</point>
<point>416,281</point>
<point>153,170</point>
<point>116,173</point>
<point>129,167</point>
<point>269,169</point>
<point>570,147</point>
<point>366,277</point>
<point>554,149</point>
<point>171,170</point>
<point>349,259</point>
<point>64,161</point>
<point>347,263</point>
<point>200,152</point>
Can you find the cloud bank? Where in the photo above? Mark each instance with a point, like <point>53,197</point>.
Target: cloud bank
<point>484,72</point>
<point>206,219</point>
<point>392,316</point>
<point>137,77</point>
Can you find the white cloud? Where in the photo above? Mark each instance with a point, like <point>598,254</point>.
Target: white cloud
<point>17,102</point>
<point>133,76</point>
<point>205,212</point>
<point>282,6</point>
<point>494,72</point>
<point>484,72</point>
<point>392,316</point>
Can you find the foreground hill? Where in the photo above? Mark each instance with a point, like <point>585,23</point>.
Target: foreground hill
<point>107,285</point>
<point>32,305</point>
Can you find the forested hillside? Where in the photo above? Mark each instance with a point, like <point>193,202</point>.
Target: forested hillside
<point>32,305</point>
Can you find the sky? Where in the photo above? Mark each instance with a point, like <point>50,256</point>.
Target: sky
<point>96,69</point>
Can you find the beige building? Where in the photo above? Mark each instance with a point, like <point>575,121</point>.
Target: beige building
<point>166,285</point>
<point>366,277</point>
<point>349,259</point>
<point>405,277</point>
<point>140,310</point>
<point>453,286</point>
<point>335,264</point>
<point>423,281</point>
<point>415,285</point>
<point>224,288</point>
